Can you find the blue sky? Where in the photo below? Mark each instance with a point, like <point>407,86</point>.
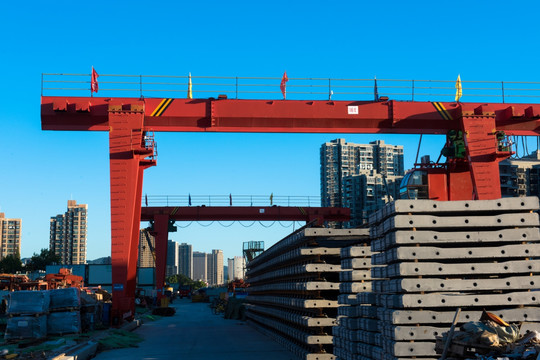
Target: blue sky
<point>481,40</point>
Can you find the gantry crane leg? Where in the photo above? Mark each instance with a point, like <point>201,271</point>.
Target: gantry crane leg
<point>161,233</point>
<point>127,153</point>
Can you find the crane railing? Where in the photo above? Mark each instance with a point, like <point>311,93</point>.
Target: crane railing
<point>230,200</point>
<point>156,86</point>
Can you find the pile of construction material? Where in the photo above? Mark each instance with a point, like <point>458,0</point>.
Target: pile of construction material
<point>435,257</point>
<point>64,312</point>
<point>357,324</point>
<point>294,288</point>
<point>36,314</point>
<point>27,315</point>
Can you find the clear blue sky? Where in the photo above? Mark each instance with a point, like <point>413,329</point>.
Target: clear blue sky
<point>41,170</point>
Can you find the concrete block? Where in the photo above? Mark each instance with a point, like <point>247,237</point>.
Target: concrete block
<point>422,253</point>
<point>356,251</point>
<point>402,333</point>
<point>405,269</point>
<point>417,348</point>
<point>356,263</point>
<point>446,317</point>
<point>355,275</point>
<point>299,319</point>
<point>293,302</point>
<point>437,285</point>
<point>295,286</point>
<point>354,287</point>
<point>504,205</point>
<point>294,271</point>
<point>454,300</point>
<point>299,335</point>
<point>455,222</point>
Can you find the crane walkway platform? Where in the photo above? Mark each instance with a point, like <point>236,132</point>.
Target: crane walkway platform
<point>194,333</point>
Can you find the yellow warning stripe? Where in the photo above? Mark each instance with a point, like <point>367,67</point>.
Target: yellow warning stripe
<point>442,110</point>
<point>174,211</point>
<point>163,105</point>
<point>302,211</point>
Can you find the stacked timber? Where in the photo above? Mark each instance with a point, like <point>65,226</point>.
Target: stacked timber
<point>356,333</point>
<point>27,315</point>
<point>440,256</point>
<point>65,312</point>
<point>294,289</point>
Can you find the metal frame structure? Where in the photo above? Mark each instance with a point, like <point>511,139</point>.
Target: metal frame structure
<point>163,218</point>
<point>129,121</point>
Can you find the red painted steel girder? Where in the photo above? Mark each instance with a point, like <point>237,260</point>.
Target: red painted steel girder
<point>247,213</point>
<point>286,116</point>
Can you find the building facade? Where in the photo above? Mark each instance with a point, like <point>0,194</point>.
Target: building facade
<point>185,260</point>
<point>520,177</point>
<point>68,234</point>
<point>172,258</point>
<point>215,268</point>
<point>146,258</point>
<point>360,176</point>
<point>236,268</point>
<point>10,233</point>
<point>200,266</point>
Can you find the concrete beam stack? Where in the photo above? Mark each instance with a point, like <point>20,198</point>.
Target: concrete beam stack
<point>439,256</point>
<point>294,288</point>
<point>356,335</point>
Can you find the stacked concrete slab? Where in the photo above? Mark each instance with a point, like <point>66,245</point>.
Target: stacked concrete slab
<point>356,333</point>
<point>438,256</point>
<point>294,288</point>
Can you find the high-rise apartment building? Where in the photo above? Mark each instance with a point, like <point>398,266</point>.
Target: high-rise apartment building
<point>146,258</point>
<point>520,177</point>
<point>360,176</point>
<point>68,234</point>
<point>10,233</point>
<point>185,260</point>
<point>172,258</point>
<point>215,267</point>
<point>236,268</point>
<point>200,266</point>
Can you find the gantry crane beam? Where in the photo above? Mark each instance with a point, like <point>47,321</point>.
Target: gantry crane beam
<point>291,116</point>
<point>128,119</point>
<point>161,217</point>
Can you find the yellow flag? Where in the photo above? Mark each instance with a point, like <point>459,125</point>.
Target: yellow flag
<point>459,91</point>
<point>189,92</point>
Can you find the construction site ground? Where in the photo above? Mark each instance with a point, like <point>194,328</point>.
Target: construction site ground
<point>195,333</point>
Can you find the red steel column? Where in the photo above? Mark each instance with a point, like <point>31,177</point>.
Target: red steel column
<point>161,233</point>
<point>127,163</point>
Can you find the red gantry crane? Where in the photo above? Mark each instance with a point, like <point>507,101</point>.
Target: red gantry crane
<point>130,121</point>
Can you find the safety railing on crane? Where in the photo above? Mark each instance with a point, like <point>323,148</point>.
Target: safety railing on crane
<point>230,200</point>
<point>145,86</point>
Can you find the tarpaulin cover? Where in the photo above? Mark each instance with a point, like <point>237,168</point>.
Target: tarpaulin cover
<point>65,298</point>
<point>63,322</point>
<point>26,327</point>
<point>28,302</point>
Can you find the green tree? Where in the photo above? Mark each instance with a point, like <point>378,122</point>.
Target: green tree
<point>11,264</point>
<point>39,262</point>
<point>198,285</point>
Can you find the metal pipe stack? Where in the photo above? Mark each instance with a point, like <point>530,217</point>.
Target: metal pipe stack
<point>294,287</point>
<point>436,257</point>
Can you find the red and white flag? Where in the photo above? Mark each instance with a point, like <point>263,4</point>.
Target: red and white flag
<point>283,85</point>
<point>93,83</point>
